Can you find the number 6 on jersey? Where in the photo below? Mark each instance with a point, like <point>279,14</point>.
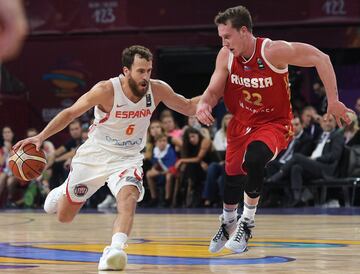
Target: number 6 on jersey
<point>130,129</point>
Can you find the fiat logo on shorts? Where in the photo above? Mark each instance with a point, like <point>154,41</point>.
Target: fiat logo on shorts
<point>80,190</point>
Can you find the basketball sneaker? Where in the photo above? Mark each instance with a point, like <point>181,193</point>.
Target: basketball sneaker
<point>113,259</point>
<point>107,203</point>
<point>51,201</point>
<point>238,241</point>
<point>219,240</point>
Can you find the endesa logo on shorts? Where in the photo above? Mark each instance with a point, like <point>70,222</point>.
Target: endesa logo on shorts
<point>80,190</point>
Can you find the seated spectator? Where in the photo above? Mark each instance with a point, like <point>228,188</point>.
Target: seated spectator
<point>155,129</point>
<point>214,182</point>
<point>37,190</point>
<point>192,121</point>
<point>301,144</point>
<point>220,141</point>
<point>8,182</point>
<point>357,108</point>
<point>196,154</point>
<point>322,162</point>
<point>3,175</point>
<point>352,132</point>
<point>164,158</point>
<point>310,120</point>
<point>319,91</point>
<point>63,153</point>
<point>170,126</point>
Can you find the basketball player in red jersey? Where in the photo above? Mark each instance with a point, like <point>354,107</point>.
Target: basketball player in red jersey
<point>123,106</point>
<point>251,74</point>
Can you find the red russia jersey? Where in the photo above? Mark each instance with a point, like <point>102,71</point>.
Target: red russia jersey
<point>256,92</point>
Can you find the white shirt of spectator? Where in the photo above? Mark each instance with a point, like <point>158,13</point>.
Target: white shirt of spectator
<point>159,154</point>
<point>124,129</point>
<point>290,150</point>
<point>220,142</point>
<point>320,146</point>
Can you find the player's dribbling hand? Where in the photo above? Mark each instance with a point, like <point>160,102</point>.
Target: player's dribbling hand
<point>203,114</point>
<point>36,140</point>
<point>340,112</point>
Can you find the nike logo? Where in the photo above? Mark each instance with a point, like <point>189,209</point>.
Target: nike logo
<point>247,130</point>
<point>119,106</point>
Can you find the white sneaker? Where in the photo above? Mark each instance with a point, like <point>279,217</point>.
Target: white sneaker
<point>219,240</point>
<point>107,203</point>
<point>238,241</point>
<point>112,259</point>
<point>52,199</point>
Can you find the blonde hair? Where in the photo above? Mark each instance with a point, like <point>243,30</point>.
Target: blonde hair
<point>354,126</point>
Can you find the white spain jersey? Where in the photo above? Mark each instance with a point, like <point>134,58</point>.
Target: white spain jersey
<point>123,131</point>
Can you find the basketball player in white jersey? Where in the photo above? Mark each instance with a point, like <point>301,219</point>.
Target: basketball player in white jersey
<point>123,108</point>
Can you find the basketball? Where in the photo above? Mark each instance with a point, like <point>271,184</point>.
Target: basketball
<point>28,163</point>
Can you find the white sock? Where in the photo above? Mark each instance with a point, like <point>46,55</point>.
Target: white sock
<point>119,240</point>
<point>229,215</point>
<point>249,212</point>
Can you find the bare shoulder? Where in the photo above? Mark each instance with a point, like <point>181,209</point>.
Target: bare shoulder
<point>277,47</point>
<point>223,56</point>
<point>277,52</point>
<point>160,90</point>
<point>159,85</point>
<point>103,87</point>
<point>224,52</point>
<point>102,94</point>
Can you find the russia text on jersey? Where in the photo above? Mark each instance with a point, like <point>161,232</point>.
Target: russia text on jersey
<point>252,82</point>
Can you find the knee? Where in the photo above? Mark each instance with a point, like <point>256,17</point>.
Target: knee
<point>257,155</point>
<point>128,199</point>
<point>132,197</point>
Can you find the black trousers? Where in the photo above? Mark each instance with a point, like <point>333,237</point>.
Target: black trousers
<point>301,167</point>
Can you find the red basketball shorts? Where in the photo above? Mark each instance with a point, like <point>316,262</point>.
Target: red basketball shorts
<point>275,136</point>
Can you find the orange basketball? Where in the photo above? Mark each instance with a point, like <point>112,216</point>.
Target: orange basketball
<point>28,163</point>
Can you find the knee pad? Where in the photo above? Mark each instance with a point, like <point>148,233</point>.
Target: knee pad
<point>257,156</point>
<point>233,189</point>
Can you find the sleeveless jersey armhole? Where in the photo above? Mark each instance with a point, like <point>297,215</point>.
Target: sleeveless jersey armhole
<point>271,66</point>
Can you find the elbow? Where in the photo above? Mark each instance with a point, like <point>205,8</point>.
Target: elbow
<point>325,58</point>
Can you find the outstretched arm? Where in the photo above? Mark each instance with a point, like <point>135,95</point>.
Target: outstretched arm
<point>164,93</point>
<point>282,53</point>
<point>96,96</point>
<point>215,89</point>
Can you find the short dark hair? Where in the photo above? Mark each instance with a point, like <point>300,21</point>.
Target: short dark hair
<point>238,16</point>
<point>160,136</point>
<point>128,55</point>
<point>75,121</point>
<point>31,129</point>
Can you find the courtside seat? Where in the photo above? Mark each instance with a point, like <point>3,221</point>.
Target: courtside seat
<point>348,177</point>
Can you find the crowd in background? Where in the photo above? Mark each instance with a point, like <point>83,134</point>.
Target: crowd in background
<point>184,167</point>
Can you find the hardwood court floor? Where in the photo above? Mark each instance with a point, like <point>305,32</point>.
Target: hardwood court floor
<point>33,242</point>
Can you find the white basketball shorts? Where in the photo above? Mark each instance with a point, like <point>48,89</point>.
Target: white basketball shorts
<point>92,166</point>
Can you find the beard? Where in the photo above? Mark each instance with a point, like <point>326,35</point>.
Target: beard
<point>139,90</point>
